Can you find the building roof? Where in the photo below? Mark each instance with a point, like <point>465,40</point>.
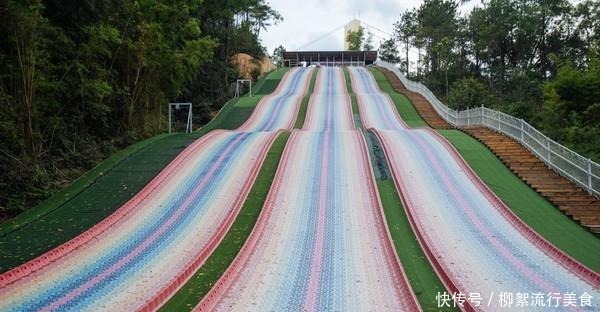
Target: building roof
<point>292,58</point>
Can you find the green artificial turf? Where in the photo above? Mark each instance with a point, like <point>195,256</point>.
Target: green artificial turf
<point>76,186</point>
<point>537,212</point>
<point>355,111</point>
<point>102,190</point>
<point>423,279</point>
<point>348,80</point>
<point>404,106</point>
<point>421,276</point>
<point>235,112</point>
<point>202,281</point>
<point>248,101</point>
<point>304,105</point>
<point>531,207</point>
<point>269,83</point>
<point>85,206</point>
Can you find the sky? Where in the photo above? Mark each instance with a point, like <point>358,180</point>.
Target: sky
<point>307,20</point>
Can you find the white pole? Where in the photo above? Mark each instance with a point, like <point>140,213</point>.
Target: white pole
<point>468,117</point>
<point>187,121</point>
<point>482,112</point>
<point>190,119</point>
<point>589,174</point>
<point>522,131</point>
<point>169,117</point>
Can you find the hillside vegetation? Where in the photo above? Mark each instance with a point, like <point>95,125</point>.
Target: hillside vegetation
<point>82,79</point>
<point>534,59</point>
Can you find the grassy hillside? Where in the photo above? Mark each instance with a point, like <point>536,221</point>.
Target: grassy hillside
<point>105,188</point>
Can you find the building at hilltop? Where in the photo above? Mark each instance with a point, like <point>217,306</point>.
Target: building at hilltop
<point>329,58</point>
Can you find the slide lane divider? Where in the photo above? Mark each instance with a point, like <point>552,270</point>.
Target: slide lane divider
<point>390,255</point>
<point>302,109</point>
<point>210,300</point>
<point>168,290</point>
<point>390,250</point>
<point>450,284</point>
<point>170,287</point>
<point>583,273</point>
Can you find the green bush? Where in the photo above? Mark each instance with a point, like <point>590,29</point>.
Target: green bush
<point>468,92</point>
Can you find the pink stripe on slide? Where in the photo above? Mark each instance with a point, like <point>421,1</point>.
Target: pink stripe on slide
<point>57,253</point>
<point>148,241</point>
<point>579,269</point>
<point>441,172</point>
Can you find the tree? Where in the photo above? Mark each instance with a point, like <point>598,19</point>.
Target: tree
<point>514,51</point>
<point>571,110</point>
<point>469,93</point>
<point>82,79</point>
<point>388,51</point>
<point>405,31</point>
<point>277,56</point>
<point>368,42</point>
<point>27,54</point>
<point>588,20</point>
<point>444,51</point>
<point>355,39</point>
<point>436,20</point>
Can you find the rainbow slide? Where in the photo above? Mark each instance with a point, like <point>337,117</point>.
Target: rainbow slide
<point>473,240</point>
<point>138,257</point>
<point>321,242</point>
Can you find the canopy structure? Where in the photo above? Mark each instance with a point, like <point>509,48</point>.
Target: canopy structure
<point>329,58</point>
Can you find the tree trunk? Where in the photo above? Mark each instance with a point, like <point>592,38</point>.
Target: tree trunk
<point>447,87</point>
<point>26,54</point>
<point>407,63</point>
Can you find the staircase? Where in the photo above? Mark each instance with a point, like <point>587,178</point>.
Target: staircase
<point>564,194</point>
<point>427,112</point>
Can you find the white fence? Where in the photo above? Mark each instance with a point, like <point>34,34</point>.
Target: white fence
<point>566,162</point>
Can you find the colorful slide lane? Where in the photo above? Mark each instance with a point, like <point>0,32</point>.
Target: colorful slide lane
<point>139,256</point>
<point>475,243</point>
<point>321,243</point>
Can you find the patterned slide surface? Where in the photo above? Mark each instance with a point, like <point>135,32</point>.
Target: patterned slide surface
<point>475,243</point>
<point>139,256</point>
<point>321,243</point>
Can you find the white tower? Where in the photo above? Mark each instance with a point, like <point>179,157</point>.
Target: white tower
<point>354,25</point>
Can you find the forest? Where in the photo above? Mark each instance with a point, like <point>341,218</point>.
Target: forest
<point>534,59</point>
<point>81,79</point>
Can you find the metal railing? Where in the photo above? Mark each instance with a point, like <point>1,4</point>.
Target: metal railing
<point>579,169</point>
